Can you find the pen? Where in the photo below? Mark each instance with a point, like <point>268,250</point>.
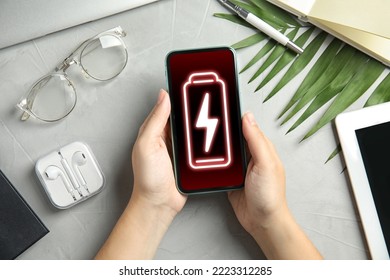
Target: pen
<point>262,26</point>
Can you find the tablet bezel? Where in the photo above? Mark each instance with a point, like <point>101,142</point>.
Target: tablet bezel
<point>346,125</point>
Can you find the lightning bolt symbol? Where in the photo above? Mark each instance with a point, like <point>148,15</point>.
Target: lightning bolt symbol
<point>204,121</point>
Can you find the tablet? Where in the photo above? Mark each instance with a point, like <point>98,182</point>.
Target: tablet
<point>365,140</point>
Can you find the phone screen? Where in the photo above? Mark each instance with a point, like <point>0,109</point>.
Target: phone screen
<point>207,139</point>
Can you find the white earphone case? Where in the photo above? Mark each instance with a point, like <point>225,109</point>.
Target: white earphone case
<point>74,164</point>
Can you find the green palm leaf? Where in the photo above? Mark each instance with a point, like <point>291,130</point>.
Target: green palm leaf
<point>262,52</point>
<point>358,85</point>
<point>341,72</point>
<point>299,64</point>
<point>342,78</point>
<point>234,19</point>
<point>268,17</point>
<point>274,22</point>
<point>250,41</point>
<point>286,58</point>
<point>276,53</point>
<point>334,153</point>
<point>275,12</point>
<point>304,96</point>
<point>314,76</point>
<point>381,94</point>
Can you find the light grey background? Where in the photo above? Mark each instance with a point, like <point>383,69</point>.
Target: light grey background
<point>108,115</point>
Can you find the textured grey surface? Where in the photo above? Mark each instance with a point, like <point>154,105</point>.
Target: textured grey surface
<point>107,117</point>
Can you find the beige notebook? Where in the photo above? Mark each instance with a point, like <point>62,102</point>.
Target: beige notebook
<point>360,23</point>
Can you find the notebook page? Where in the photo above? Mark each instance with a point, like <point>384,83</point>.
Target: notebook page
<point>368,16</point>
<point>376,46</point>
<point>301,8</point>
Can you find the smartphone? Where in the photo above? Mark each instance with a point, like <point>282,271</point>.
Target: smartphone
<point>207,141</point>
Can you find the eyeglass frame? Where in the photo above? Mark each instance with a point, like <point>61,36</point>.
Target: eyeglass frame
<point>73,58</point>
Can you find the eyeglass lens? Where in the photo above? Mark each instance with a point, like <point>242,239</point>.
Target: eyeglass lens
<point>104,58</point>
<point>55,98</point>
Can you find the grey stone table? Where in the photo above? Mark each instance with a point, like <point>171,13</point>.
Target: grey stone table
<point>107,117</point>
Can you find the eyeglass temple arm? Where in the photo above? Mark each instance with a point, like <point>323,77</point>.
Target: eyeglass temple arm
<point>69,60</point>
<point>25,116</point>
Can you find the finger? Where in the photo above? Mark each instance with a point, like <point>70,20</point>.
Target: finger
<point>155,123</point>
<point>248,155</point>
<point>236,198</point>
<point>258,143</point>
<point>167,138</point>
<point>167,133</point>
<point>159,98</point>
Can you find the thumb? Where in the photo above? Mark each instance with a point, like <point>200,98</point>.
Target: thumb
<point>156,121</point>
<point>257,141</point>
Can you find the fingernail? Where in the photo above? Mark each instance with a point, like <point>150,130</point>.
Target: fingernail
<point>161,96</point>
<point>250,117</point>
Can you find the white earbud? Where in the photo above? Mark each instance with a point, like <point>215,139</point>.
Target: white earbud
<point>79,159</point>
<point>53,172</point>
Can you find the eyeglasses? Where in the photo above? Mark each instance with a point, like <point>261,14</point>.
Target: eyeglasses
<point>53,96</point>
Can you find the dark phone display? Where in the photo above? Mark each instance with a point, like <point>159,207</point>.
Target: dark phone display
<point>206,120</point>
<point>375,149</point>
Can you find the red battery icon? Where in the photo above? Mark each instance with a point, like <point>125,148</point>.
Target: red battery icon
<point>207,134</point>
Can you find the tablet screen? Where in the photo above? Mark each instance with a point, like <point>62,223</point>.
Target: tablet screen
<point>374,143</point>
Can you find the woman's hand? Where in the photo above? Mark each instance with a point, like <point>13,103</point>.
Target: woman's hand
<point>155,201</point>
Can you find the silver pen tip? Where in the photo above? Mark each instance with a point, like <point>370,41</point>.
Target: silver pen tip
<point>294,47</point>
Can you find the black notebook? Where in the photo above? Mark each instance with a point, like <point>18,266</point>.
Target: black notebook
<point>20,227</point>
